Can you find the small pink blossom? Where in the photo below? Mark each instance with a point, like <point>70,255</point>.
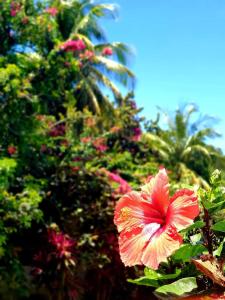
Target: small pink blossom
<point>51,11</point>
<point>137,134</point>
<point>100,144</point>
<point>73,45</point>
<point>87,55</point>
<point>63,243</point>
<point>11,150</point>
<point>14,8</point>
<point>86,139</point>
<point>107,51</point>
<point>123,188</point>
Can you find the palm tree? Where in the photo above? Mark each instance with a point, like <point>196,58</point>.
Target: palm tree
<point>183,144</point>
<point>80,20</point>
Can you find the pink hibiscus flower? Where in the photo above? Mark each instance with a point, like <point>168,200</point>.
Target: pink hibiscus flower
<point>149,221</point>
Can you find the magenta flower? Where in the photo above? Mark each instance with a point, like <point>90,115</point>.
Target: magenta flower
<point>100,144</point>
<point>148,221</point>
<point>137,134</point>
<point>51,11</point>
<point>63,244</point>
<point>73,45</point>
<point>87,55</point>
<point>107,51</point>
<point>123,188</point>
<point>14,8</point>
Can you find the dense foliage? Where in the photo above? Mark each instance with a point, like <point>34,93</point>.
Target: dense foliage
<point>68,151</point>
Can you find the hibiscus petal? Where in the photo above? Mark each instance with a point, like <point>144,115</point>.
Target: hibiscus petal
<point>162,244</point>
<point>132,244</point>
<point>158,189</point>
<point>183,209</point>
<point>133,211</point>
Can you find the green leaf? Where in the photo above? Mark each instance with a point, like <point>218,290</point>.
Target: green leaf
<point>178,288</point>
<point>220,250</point>
<point>153,278</point>
<point>186,252</point>
<point>144,281</point>
<point>213,207</point>
<point>196,225</point>
<point>151,274</point>
<point>219,226</point>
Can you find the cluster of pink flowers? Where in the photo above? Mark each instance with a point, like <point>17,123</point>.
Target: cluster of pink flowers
<point>100,144</point>
<point>123,187</point>
<point>87,55</point>
<point>149,221</point>
<point>107,51</point>
<point>73,45</point>
<point>51,11</point>
<point>14,8</point>
<point>11,150</point>
<point>137,134</point>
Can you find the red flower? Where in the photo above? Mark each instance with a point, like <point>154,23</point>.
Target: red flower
<point>14,9</point>
<point>73,45</point>
<point>58,130</point>
<point>100,144</point>
<point>107,51</point>
<point>149,221</point>
<point>85,139</point>
<point>62,243</point>
<point>11,150</point>
<point>51,11</point>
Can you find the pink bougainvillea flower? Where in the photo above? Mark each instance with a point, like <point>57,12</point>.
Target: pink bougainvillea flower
<point>149,221</point>
<point>63,243</point>
<point>85,139</point>
<point>100,144</point>
<point>73,45</point>
<point>123,188</point>
<point>137,134</point>
<point>87,55</point>
<point>107,51</point>
<point>14,8</point>
<point>51,11</point>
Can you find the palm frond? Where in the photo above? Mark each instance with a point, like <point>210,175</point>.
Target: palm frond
<point>120,50</point>
<point>121,72</point>
<point>102,79</point>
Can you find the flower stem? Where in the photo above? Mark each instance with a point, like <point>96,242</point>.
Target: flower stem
<point>207,231</point>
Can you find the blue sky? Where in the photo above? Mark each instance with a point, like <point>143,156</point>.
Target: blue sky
<point>180,53</point>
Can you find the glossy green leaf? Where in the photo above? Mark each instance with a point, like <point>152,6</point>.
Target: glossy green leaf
<point>196,225</point>
<point>179,287</point>
<point>186,252</point>
<point>151,274</point>
<point>144,281</point>
<point>220,226</point>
